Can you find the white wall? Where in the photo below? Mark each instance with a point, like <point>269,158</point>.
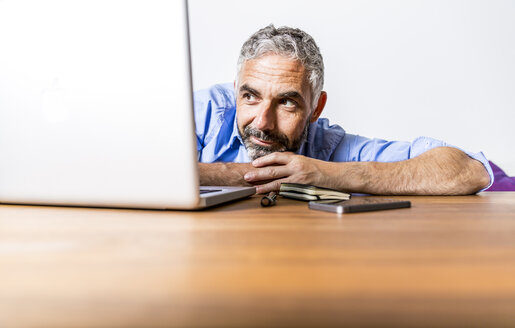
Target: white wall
<point>395,69</point>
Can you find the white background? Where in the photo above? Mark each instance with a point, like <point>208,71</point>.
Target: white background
<point>395,69</point>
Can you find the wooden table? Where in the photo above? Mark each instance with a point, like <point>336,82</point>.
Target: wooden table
<point>447,261</point>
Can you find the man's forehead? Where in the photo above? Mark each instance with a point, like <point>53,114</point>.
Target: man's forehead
<point>274,72</point>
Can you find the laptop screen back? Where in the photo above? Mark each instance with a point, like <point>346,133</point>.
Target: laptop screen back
<point>96,104</point>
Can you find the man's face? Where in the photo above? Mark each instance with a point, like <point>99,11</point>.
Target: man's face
<point>273,105</point>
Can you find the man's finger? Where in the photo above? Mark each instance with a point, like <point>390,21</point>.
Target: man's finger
<point>271,186</point>
<point>273,158</point>
<point>267,173</point>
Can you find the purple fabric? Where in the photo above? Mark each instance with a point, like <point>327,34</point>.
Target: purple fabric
<point>502,182</point>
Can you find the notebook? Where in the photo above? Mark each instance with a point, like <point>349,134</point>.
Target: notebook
<point>96,106</point>
<point>309,192</point>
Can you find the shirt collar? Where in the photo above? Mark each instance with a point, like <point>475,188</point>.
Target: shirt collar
<point>235,135</point>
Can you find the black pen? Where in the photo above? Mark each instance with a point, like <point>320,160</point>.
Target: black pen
<point>269,200</point>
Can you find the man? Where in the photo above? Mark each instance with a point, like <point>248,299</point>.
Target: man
<point>265,129</point>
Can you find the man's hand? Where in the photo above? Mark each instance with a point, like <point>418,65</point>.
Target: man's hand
<point>273,169</point>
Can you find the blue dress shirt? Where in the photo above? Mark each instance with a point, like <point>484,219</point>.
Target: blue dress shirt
<point>218,139</point>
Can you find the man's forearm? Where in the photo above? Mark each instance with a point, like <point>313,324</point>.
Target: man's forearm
<point>440,171</point>
<point>223,174</point>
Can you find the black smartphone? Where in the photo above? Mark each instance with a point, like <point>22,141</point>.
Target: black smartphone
<point>359,204</point>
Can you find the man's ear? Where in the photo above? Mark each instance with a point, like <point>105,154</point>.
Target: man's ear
<point>320,106</point>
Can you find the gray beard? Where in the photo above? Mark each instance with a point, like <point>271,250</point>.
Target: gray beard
<point>283,143</point>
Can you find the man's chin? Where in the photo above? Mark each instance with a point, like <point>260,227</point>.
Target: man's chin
<point>257,151</point>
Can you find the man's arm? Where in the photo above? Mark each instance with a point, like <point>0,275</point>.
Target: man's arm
<point>439,171</point>
<point>223,174</point>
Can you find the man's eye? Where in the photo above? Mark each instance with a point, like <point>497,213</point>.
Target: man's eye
<point>288,103</point>
<point>249,97</point>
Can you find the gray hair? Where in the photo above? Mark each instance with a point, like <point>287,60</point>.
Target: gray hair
<point>290,42</point>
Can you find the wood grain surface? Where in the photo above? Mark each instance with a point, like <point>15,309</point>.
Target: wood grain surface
<point>447,261</point>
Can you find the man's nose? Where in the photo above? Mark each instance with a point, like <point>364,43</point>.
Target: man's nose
<point>265,119</point>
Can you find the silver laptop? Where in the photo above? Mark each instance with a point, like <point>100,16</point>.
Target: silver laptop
<point>96,106</point>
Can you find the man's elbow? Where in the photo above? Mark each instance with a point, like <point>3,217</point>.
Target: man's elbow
<point>476,177</point>
<point>481,176</point>
<point>465,174</point>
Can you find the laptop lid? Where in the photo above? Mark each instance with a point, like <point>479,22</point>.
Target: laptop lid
<point>96,104</point>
